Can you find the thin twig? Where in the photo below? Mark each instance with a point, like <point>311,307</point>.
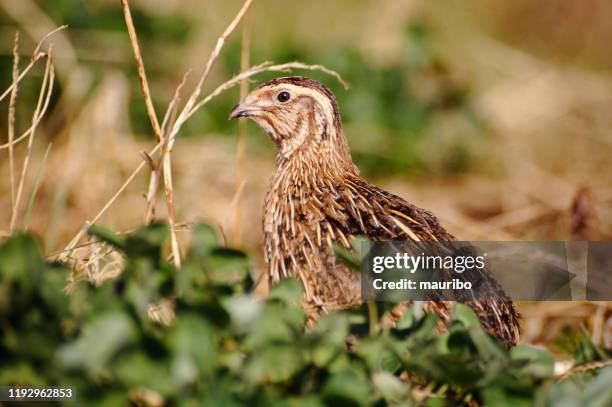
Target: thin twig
<point>22,75</point>
<point>153,185</point>
<point>36,56</point>
<point>25,134</point>
<point>11,118</point>
<point>189,106</point>
<point>241,140</point>
<point>41,171</point>
<point>43,39</point>
<point>43,102</point>
<point>168,121</point>
<point>257,69</point>
<point>73,243</point>
<point>169,193</point>
<point>166,164</point>
<point>170,115</point>
<point>144,84</point>
<point>235,201</point>
<point>166,159</point>
<point>586,367</point>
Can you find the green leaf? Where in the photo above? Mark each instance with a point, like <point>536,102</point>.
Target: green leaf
<point>102,338</point>
<point>288,291</point>
<point>21,260</point>
<point>348,387</point>
<point>391,387</point>
<point>244,311</point>
<point>329,337</point>
<point>107,236</point>
<point>311,400</point>
<point>147,241</point>
<point>228,266</point>
<point>347,257</point>
<point>587,351</point>
<point>565,394</point>
<point>376,353</point>
<point>274,363</point>
<point>52,290</point>
<point>203,240</point>
<point>270,327</point>
<point>465,315</point>
<point>194,346</point>
<point>496,395</point>
<point>141,370</point>
<point>598,392</point>
<point>539,363</point>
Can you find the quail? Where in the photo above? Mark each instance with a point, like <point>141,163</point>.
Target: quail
<point>317,199</point>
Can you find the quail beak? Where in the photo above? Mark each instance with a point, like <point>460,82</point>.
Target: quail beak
<point>243,110</point>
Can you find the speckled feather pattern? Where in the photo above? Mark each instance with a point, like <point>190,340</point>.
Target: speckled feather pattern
<point>316,198</point>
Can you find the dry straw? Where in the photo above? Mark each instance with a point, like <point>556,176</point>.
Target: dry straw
<point>240,180</point>
<point>42,105</point>
<point>173,121</point>
<point>11,119</point>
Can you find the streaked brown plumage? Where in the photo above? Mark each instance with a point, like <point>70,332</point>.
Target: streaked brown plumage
<point>317,198</point>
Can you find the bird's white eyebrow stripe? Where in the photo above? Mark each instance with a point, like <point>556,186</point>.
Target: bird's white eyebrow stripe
<point>303,90</point>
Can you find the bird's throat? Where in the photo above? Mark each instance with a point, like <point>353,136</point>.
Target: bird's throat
<point>316,160</point>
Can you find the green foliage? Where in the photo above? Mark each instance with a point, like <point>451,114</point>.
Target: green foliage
<point>391,112</point>
<point>227,347</point>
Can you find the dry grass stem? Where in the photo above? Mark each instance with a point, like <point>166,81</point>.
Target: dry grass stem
<point>257,69</point>
<point>168,121</point>
<point>163,312</point>
<point>36,56</point>
<point>241,140</point>
<point>169,192</point>
<point>39,176</point>
<point>191,106</point>
<point>166,159</point>
<point>587,367</point>
<point>154,181</point>
<point>231,220</point>
<point>75,240</point>
<point>188,109</point>
<point>171,112</point>
<point>26,133</point>
<point>152,191</point>
<point>102,262</point>
<point>45,38</point>
<point>11,118</point>
<point>44,98</point>
<point>144,84</point>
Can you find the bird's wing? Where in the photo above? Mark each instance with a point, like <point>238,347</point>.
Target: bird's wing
<point>381,216</point>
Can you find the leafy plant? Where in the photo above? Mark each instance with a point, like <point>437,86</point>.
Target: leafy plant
<point>227,347</point>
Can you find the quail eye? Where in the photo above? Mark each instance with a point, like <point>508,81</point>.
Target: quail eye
<point>283,97</point>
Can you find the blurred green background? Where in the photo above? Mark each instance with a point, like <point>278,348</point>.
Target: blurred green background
<point>393,100</point>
